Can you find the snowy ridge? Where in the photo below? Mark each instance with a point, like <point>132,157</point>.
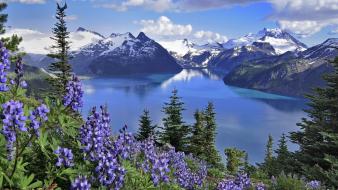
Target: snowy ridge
<point>325,50</point>
<point>190,54</point>
<point>281,40</point>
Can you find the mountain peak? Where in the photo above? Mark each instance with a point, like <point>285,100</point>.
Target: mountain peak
<point>331,42</point>
<point>143,37</point>
<point>81,29</point>
<point>273,32</point>
<point>127,34</point>
<point>187,43</point>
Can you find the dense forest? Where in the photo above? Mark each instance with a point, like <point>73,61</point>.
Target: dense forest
<point>45,143</point>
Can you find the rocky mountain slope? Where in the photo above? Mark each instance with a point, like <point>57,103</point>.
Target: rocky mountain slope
<point>292,73</point>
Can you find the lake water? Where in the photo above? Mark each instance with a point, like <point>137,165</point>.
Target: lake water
<point>245,117</point>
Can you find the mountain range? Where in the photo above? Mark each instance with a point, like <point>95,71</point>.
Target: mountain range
<point>270,60</point>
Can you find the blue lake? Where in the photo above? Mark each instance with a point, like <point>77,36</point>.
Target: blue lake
<point>245,117</point>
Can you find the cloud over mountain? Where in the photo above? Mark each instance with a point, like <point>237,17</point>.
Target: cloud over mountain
<point>165,27</point>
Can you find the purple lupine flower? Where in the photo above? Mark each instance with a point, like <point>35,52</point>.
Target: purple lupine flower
<point>95,134</point>
<point>64,157</point>
<point>80,183</point>
<point>109,171</point>
<point>260,186</point>
<point>313,185</point>
<point>148,149</point>
<point>228,185</point>
<point>74,93</point>
<point>4,67</point>
<point>155,163</point>
<point>19,74</point>
<point>185,177</point>
<point>97,144</point>
<point>160,169</point>
<point>123,144</point>
<point>38,116</point>
<point>14,120</point>
<point>241,182</point>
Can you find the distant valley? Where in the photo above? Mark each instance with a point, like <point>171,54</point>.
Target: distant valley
<point>270,60</point>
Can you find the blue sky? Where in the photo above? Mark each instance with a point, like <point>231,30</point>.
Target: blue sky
<point>312,21</point>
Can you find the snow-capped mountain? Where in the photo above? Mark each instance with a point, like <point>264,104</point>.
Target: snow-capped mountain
<point>123,54</point>
<point>82,37</point>
<point>104,45</point>
<point>280,40</point>
<point>189,54</point>
<point>267,42</point>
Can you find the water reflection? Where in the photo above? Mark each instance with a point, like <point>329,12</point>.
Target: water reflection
<point>245,117</point>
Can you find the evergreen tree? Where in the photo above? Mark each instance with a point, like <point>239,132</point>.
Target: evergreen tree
<point>269,150</point>
<point>146,128</point>
<point>283,159</point>
<point>197,140</point>
<point>318,137</point>
<point>268,165</point>
<point>12,42</point>
<point>247,167</point>
<point>235,159</point>
<point>61,68</point>
<point>174,132</point>
<point>212,155</point>
<point>3,18</point>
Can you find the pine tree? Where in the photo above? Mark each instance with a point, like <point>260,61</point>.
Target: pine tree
<point>197,140</point>
<point>12,42</point>
<point>318,137</point>
<point>61,68</point>
<point>269,149</point>
<point>268,165</point>
<point>174,132</point>
<point>283,159</point>
<point>247,167</point>
<point>3,18</point>
<point>213,157</point>
<point>146,128</point>
<point>235,159</point>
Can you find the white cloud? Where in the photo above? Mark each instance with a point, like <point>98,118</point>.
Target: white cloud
<point>210,36</point>
<point>28,1</point>
<point>71,17</point>
<point>156,5</point>
<point>33,40</point>
<point>305,17</point>
<point>165,29</point>
<point>163,26</point>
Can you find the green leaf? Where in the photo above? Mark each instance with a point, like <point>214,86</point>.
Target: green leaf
<point>25,181</point>
<point>1,181</point>
<point>68,172</point>
<point>9,181</point>
<point>35,185</point>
